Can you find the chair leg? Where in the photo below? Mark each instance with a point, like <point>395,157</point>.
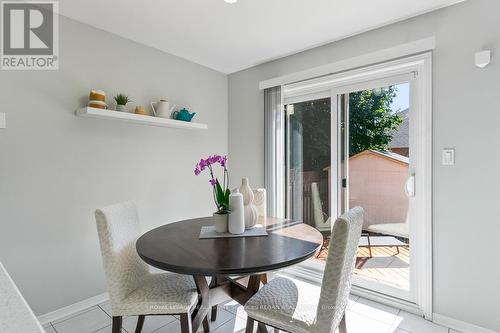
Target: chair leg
<point>213,315</point>
<point>117,324</point>
<point>261,328</point>
<point>186,324</point>
<point>342,325</point>
<point>140,323</point>
<point>206,325</point>
<point>397,248</point>
<point>369,244</point>
<point>250,324</point>
<point>263,279</point>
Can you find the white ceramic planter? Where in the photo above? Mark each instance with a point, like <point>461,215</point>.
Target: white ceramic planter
<point>122,108</point>
<point>220,222</point>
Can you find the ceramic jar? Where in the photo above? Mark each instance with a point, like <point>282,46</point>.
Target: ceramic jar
<point>236,224</point>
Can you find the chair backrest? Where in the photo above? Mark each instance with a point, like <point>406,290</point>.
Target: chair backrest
<point>336,284</point>
<point>319,217</point>
<point>118,228</point>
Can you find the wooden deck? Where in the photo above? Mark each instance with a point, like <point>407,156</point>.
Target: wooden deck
<point>385,265</point>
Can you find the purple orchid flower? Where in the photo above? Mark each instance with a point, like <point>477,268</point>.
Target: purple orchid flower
<point>220,193</point>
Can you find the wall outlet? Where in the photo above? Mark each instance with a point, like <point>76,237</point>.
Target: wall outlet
<point>448,156</point>
<point>3,123</point>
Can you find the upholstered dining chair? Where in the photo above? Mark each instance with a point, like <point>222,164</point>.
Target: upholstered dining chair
<point>298,307</point>
<point>133,289</point>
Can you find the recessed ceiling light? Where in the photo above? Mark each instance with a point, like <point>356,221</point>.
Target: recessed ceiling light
<point>230,1</point>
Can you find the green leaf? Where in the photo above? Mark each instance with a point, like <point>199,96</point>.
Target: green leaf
<point>219,193</point>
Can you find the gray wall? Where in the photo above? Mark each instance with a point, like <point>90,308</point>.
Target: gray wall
<point>56,168</point>
<point>466,116</point>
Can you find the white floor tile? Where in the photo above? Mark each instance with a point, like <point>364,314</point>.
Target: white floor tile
<point>106,307</point>
<point>86,322</point>
<point>173,327</point>
<point>236,325</point>
<point>357,323</point>
<point>373,310</point>
<point>108,329</point>
<point>151,323</point>
<point>415,324</point>
<point>223,316</point>
<point>49,329</point>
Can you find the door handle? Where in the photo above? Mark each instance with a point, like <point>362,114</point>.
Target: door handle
<point>410,186</point>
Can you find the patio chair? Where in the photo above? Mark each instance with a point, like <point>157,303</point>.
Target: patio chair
<point>325,226</point>
<point>392,229</point>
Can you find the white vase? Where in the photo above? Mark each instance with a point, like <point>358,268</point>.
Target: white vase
<point>246,191</point>
<point>260,201</point>
<point>122,108</point>
<point>220,222</point>
<point>236,224</point>
<point>251,216</point>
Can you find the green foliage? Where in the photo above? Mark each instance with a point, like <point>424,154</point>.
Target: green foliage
<point>372,124</point>
<point>122,99</point>
<point>311,123</point>
<point>222,198</point>
<point>371,120</point>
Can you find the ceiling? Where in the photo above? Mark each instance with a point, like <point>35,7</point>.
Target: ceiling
<point>231,37</point>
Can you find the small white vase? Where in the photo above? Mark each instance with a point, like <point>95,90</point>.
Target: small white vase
<point>122,108</point>
<point>220,222</point>
<point>251,216</point>
<point>260,201</point>
<point>236,224</point>
<point>246,191</point>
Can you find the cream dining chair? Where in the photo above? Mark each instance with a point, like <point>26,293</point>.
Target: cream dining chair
<point>133,289</point>
<point>299,307</point>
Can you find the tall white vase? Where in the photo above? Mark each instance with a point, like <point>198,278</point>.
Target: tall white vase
<point>251,212</point>
<point>251,216</point>
<point>236,224</point>
<point>260,201</point>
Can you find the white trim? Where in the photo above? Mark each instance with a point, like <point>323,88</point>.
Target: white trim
<point>72,309</point>
<point>403,50</point>
<point>459,325</point>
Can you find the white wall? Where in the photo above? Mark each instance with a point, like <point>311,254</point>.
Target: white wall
<point>466,116</point>
<point>56,168</point>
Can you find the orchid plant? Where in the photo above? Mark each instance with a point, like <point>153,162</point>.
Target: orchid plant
<point>220,192</point>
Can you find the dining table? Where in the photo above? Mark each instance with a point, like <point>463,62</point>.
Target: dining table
<point>226,269</point>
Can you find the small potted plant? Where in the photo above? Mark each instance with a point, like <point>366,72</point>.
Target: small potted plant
<point>220,192</point>
<point>121,102</point>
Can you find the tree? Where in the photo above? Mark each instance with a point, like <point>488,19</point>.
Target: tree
<point>371,120</point>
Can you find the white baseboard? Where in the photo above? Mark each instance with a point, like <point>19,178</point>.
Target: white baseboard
<point>459,325</point>
<point>72,309</point>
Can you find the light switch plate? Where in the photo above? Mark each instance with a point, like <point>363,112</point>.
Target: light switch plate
<point>448,156</point>
<point>2,120</point>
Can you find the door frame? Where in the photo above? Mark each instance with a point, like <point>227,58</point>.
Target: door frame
<point>420,68</point>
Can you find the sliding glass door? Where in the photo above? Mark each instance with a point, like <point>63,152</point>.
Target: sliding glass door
<point>374,170</point>
<point>308,158</point>
<point>362,138</point>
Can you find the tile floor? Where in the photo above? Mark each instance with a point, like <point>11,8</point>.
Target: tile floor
<point>363,316</point>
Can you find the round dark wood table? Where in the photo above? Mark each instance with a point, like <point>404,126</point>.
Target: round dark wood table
<point>236,266</point>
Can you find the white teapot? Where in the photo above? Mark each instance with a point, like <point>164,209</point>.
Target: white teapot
<point>163,108</point>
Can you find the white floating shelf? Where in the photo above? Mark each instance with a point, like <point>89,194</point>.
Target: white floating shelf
<point>138,119</point>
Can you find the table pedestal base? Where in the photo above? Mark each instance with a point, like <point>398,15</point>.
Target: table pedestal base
<point>219,291</point>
